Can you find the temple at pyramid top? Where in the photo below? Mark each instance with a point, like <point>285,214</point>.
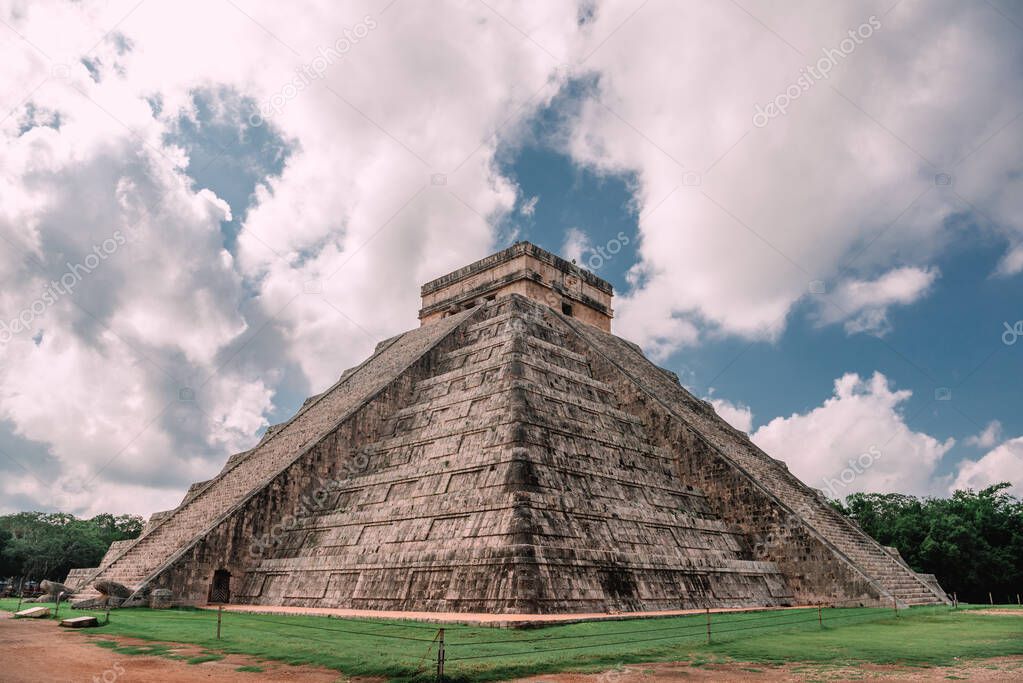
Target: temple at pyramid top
<point>525,269</point>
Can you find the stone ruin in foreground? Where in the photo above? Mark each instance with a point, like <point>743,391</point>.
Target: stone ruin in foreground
<point>510,455</point>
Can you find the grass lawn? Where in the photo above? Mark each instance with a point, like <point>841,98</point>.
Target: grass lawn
<point>406,650</point>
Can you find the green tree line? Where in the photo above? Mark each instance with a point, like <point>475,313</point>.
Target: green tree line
<point>46,545</point>
<point>973,541</point>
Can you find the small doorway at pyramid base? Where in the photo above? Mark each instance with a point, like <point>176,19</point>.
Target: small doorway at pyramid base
<point>220,587</point>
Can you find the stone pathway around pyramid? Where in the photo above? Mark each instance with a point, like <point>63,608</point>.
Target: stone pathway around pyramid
<point>517,620</point>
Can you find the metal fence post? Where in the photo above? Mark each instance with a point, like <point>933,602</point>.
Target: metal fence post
<point>820,616</point>
<point>440,655</point>
<point>708,625</point>
<point>895,605</point>
<point>220,616</point>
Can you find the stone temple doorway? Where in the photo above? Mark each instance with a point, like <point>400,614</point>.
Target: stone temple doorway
<point>220,588</point>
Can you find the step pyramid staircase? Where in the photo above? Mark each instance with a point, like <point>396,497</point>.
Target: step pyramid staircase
<point>507,457</point>
<point>769,474</point>
<point>134,564</point>
<point>512,482</point>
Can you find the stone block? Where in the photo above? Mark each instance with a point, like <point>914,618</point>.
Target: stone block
<point>511,457</point>
<point>161,598</point>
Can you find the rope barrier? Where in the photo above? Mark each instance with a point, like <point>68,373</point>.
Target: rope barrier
<point>562,649</point>
<point>695,630</point>
<point>305,638</point>
<point>884,614</point>
<point>728,622</point>
<point>570,637</point>
<point>367,621</point>
<point>750,628</point>
<point>770,616</point>
<point>123,614</point>
<point>419,665</point>
<point>337,630</point>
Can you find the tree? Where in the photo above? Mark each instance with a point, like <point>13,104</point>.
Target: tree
<point>43,545</point>
<point>8,567</point>
<point>973,541</point>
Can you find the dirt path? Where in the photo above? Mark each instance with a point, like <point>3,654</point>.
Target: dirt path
<point>1002,612</point>
<point>39,651</point>
<point>999,669</point>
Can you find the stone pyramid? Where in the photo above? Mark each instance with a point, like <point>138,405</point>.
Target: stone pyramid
<point>510,455</point>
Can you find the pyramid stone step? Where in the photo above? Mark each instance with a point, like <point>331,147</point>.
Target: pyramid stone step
<point>514,456</point>
<point>188,522</point>
<point>768,473</point>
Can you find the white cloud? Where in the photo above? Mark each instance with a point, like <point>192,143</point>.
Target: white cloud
<point>988,437</point>
<point>391,180</point>
<point>115,288</point>
<point>735,220</point>
<point>417,102</point>
<point>857,440</point>
<point>863,304</point>
<point>528,207</point>
<point>1004,463</point>
<point>1011,263</point>
<point>575,245</point>
<point>735,414</point>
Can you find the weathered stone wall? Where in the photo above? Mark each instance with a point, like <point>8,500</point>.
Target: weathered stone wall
<point>253,530</point>
<point>512,482</point>
<point>821,552</point>
<point>775,534</point>
<point>181,527</point>
<point>510,459</point>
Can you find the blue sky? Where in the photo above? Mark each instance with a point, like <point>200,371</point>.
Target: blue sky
<point>952,339</point>
<point>241,220</point>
